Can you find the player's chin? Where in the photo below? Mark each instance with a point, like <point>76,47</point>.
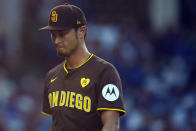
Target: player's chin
<point>63,54</point>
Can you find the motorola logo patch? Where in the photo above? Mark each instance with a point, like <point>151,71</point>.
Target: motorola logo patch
<point>110,92</point>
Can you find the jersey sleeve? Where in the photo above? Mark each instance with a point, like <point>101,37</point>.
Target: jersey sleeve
<point>46,106</point>
<point>110,95</point>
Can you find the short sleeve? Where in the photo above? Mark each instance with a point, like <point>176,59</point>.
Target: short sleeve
<point>110,95</point>
<point>46,106</point>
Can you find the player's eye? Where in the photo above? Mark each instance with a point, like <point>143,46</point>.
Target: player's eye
<point>61,33</point>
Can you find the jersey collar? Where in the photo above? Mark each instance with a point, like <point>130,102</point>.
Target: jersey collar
<point>79,65</point>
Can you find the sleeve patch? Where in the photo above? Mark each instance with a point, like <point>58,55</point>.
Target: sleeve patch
<point>110,92</point>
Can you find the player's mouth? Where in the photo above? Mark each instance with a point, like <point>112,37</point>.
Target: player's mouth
<point>58,46</point>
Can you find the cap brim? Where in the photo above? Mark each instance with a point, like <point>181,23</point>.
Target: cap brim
<point>54,28</point>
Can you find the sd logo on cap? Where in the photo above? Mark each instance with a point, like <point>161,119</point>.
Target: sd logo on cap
<point>64,17</point>
<point>54,16</point>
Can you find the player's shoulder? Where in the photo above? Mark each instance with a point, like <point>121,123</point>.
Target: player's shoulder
<point>105,69</point>
<point>103,64</point>
<point>55,70</point>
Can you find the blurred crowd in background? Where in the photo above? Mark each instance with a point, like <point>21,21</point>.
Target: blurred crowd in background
<point>152,43</point>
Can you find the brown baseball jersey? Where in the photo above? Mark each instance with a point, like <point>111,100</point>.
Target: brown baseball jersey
<point>75,98</point>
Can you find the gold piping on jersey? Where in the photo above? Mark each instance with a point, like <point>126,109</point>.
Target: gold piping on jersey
<point>65,67</point>
<point>111,109</point>
<point>79,65</point>
<point>85,61</point>
<point>46,113</point>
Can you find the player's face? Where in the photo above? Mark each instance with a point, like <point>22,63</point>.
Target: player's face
<point>66,42</point>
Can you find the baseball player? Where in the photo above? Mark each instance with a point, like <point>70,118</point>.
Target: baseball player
<point>84,92</point>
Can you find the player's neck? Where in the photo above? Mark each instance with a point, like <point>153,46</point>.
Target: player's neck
<point>78,57</point>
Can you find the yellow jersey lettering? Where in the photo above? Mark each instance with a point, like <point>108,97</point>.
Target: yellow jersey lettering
<point>62,100</point>
<point>67,99</point>
<point>87,104</point>
<point>78,101</point>
<point>72,99</point>
<point>55,98</point>
<point>50,99</point>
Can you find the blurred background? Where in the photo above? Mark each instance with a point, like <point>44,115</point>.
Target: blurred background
<point>152,43</point>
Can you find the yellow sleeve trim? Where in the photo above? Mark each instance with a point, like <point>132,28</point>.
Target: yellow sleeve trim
<point>46,114</point>
<point>79,65</point>
<point>110,109</point>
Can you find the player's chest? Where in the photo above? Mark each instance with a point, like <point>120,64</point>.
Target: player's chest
<point>73,92</point>
<point>85,84</point>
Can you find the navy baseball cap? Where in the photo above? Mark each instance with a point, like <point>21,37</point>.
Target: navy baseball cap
<point>65,17</point>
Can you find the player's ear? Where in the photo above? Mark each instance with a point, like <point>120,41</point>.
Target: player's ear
<point>82,31</point>
<point>52,36</point>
